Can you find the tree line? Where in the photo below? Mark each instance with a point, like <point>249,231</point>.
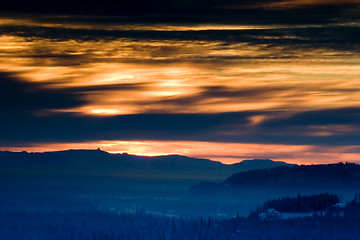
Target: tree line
<point>99,225</point>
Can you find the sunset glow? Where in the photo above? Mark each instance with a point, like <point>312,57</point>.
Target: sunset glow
<point>251,90</point>
<point>227,153</point>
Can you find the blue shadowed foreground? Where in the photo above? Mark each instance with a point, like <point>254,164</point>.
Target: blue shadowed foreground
<point>335,221</point>
<point>93,195</point>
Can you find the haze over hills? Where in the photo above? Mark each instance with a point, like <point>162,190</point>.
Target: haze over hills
<point>95,179</point>
<point>347,175</point>
<point>101,163</point>
<point>289,180</point>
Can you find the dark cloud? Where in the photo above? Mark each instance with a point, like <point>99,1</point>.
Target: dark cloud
<point>231,94</point>
<point>190,10</point>
<point>249,93</point>
<point>21,101</point>
<point>346,116</point>
<point>108,87</point>
<point>19,96</point>
<point>305,38</point>
<point>219,127</point>
<point>67,127</point>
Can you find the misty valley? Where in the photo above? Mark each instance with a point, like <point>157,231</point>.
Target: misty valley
<point>121,183</point>
<point>91,194</point>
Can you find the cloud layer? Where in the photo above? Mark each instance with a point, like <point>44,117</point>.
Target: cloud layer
<point>67,79</point>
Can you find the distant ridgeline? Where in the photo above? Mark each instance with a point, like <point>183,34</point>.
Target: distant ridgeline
<point>326,177</point>
<point>304,175</point>
<point>97,163</point>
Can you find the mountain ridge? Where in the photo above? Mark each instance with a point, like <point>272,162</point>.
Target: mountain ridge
<point>291,179</point>
<point>101,163</point>
<point>337,178</point>
<point>304,175</point>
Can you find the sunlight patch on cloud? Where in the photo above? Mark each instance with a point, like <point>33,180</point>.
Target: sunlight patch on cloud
<point>330,129</point>
<point>183,76</point>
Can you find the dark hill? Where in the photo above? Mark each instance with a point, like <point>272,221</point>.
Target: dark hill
<point>342,179</point>
<point>100,163</point>
<point>347,175</point>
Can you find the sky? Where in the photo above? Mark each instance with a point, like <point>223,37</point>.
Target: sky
<point>224,80</point>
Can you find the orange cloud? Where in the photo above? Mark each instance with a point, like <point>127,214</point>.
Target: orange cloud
<point>182,75</point>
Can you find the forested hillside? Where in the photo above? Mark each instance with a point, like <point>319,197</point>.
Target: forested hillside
<point>140,226</point>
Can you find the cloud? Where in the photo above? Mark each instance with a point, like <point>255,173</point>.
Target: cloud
<point>107,87</point>
<point>321,127</point>
<point>22,104</point>
<point>244,12</point>
<point>220,127</point>
<point>159,7</point>
<point>217,94</point>
<point>257,84</point>
<point>170,45</point>
<point>19,96</point>
<point>297,3</point>
<point>153,71</point>
<point>348,116</point>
